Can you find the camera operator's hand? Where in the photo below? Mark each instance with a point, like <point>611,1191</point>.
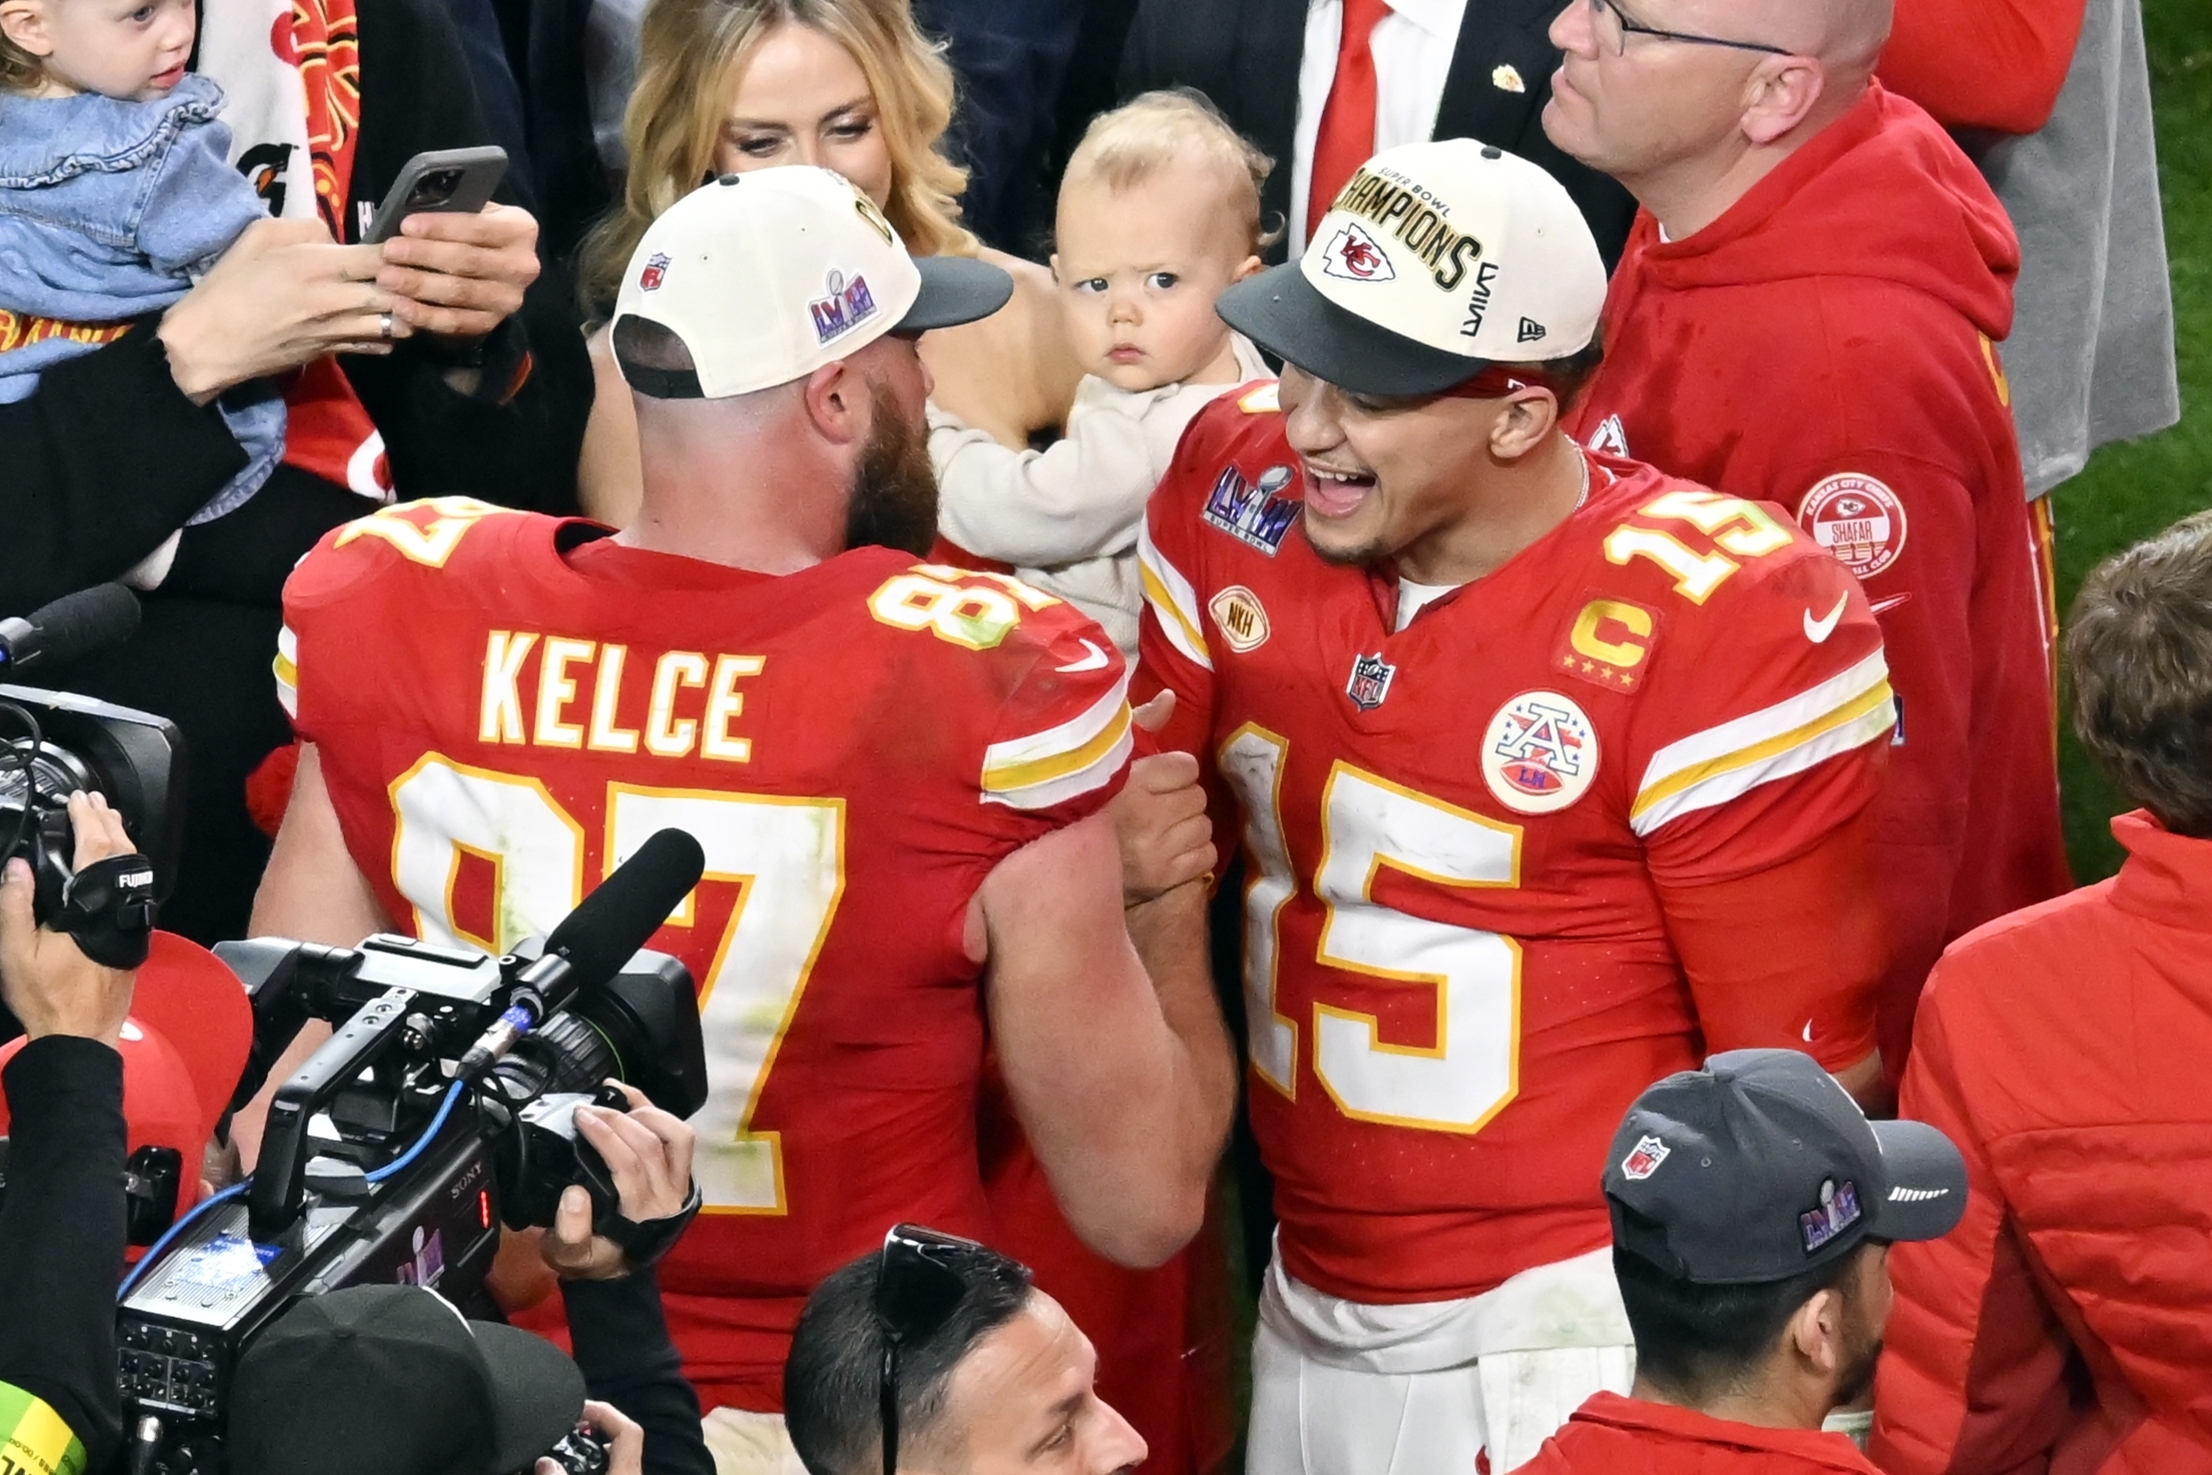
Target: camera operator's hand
<point>649,1153</point>
<point>52,987</point>
<point>625,1441</point>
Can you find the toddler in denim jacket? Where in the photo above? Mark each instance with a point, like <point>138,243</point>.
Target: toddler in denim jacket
<point>114,196</point>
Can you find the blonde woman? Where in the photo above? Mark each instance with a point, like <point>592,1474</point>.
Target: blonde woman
<point>730,85</point>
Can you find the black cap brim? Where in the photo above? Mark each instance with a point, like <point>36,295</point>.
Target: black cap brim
<point>1927,1182</point>
<point>537,1389</point>
<point>1286,315</point>
<point>955,290</point>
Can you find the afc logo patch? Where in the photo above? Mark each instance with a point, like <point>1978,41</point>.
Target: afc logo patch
<point>1856,518</point>
<point>1258,516</point>
<point>1540,753</point>
<point>1644,1161</point>
<point>655,272</point>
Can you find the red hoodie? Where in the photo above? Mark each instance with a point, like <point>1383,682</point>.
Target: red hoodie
<point>1828,345</point>
<point>2066,1325</point>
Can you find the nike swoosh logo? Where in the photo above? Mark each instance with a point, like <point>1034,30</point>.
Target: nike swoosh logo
<point>1819,630</point>
<point>1890,603</point>
<point>1096,660</point>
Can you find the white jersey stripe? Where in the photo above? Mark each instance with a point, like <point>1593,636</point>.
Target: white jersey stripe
<point>1868,719</point>
<point>1674,766</point>
<point>1045,792</point>
<point>287,671</point>
<point>1173,600</point>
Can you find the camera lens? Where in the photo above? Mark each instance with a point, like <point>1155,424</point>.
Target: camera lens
<point>434,189</point>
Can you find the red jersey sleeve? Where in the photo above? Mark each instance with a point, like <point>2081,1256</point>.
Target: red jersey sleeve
<point>1174,640</point>
<point>1752,774</point>
<point>1060,743</point>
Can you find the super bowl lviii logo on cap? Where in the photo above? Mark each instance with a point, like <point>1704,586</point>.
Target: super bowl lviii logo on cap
<point>844,306</point>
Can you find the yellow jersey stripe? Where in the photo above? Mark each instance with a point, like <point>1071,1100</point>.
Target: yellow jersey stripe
<point>1173,601</point>
<point>1873,703</point>
<point>1002,778</point>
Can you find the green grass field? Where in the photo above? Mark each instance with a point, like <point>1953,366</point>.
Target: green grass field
<point>2132,490</point>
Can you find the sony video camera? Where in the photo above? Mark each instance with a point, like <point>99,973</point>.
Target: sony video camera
<point>52,743</point>
<point>442,1105</point>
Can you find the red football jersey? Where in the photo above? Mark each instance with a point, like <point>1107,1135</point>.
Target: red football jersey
<point>1460,837</point>
<point>507,704</point>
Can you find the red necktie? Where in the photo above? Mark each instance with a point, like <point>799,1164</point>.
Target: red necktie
<point>1347,136</point>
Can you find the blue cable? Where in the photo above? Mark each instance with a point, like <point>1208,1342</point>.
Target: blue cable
<point>430,1134</point>
<point>437,1124</point>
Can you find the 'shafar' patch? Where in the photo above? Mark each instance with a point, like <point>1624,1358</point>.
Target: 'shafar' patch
<point>1540,753</point>
<point>1645,1159</point>
<point>1858,519</point>
<point>1240,617</point>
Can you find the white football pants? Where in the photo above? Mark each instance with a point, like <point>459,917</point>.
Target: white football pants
<point>1437,1388</point>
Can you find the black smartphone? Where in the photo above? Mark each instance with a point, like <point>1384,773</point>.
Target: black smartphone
<point>456,180</point>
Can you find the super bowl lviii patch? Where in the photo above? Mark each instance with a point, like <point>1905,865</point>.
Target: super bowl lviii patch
<point>844,306</point>
<point>1257,515</point>
<point>1856,518</point>
<point>1540,753</point>
<point>1839,1210</point>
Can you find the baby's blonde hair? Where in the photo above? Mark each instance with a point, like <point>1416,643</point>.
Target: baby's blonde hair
<point>1155,129</point>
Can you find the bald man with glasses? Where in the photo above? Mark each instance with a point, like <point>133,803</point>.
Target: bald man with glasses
<point>1808,312</point>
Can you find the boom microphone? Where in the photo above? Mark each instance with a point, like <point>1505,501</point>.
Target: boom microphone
<point>72,626</point>
<point>612,923</point>
<point>594,942</point>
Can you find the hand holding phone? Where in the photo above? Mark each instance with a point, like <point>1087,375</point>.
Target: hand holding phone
<point>439,181</point>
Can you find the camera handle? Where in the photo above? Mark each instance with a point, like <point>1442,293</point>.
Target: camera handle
<point>280,1175</point>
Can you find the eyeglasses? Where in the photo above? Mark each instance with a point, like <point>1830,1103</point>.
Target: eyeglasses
<point>1626,26</point>
<point>917,1290</point>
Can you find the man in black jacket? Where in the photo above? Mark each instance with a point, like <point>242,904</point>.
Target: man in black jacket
<point>1272,66</point>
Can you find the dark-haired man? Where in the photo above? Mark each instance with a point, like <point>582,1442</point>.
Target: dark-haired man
<point>1753,1209</point>
<point>1548,769</point>
<point>991,1374</point>
<point>2063,1048</point>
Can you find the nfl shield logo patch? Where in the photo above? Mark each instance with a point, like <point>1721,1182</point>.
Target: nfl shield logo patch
<point>1640,1164</point>
<point>1370,681</point>
<point>656,270</point>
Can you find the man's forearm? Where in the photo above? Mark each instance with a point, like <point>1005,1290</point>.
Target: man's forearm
<point>62,1234</point>
<point>620,1339</point>
<point>1169,932</point>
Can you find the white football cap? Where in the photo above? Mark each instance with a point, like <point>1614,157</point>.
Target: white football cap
<point>1436,261</point>
<point>768,275</point>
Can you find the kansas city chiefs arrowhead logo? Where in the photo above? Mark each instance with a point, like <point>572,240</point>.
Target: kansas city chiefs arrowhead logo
<point>1354,257</point>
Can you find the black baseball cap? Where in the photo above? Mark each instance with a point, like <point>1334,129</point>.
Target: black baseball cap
<point>392,1380</point>
<point>1760,1167</point>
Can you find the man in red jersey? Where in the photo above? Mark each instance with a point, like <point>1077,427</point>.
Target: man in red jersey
<point>897,770</point>
<point>1547,768</point>
<point>1807,313</point>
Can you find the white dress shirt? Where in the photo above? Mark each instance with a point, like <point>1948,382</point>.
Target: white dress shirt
<point>1413,48</point>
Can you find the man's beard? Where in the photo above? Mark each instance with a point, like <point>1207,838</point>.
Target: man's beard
<point>1858,1373</point>
<point>893,502</point>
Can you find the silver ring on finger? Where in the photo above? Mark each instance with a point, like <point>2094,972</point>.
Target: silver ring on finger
<point>384,325</point>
